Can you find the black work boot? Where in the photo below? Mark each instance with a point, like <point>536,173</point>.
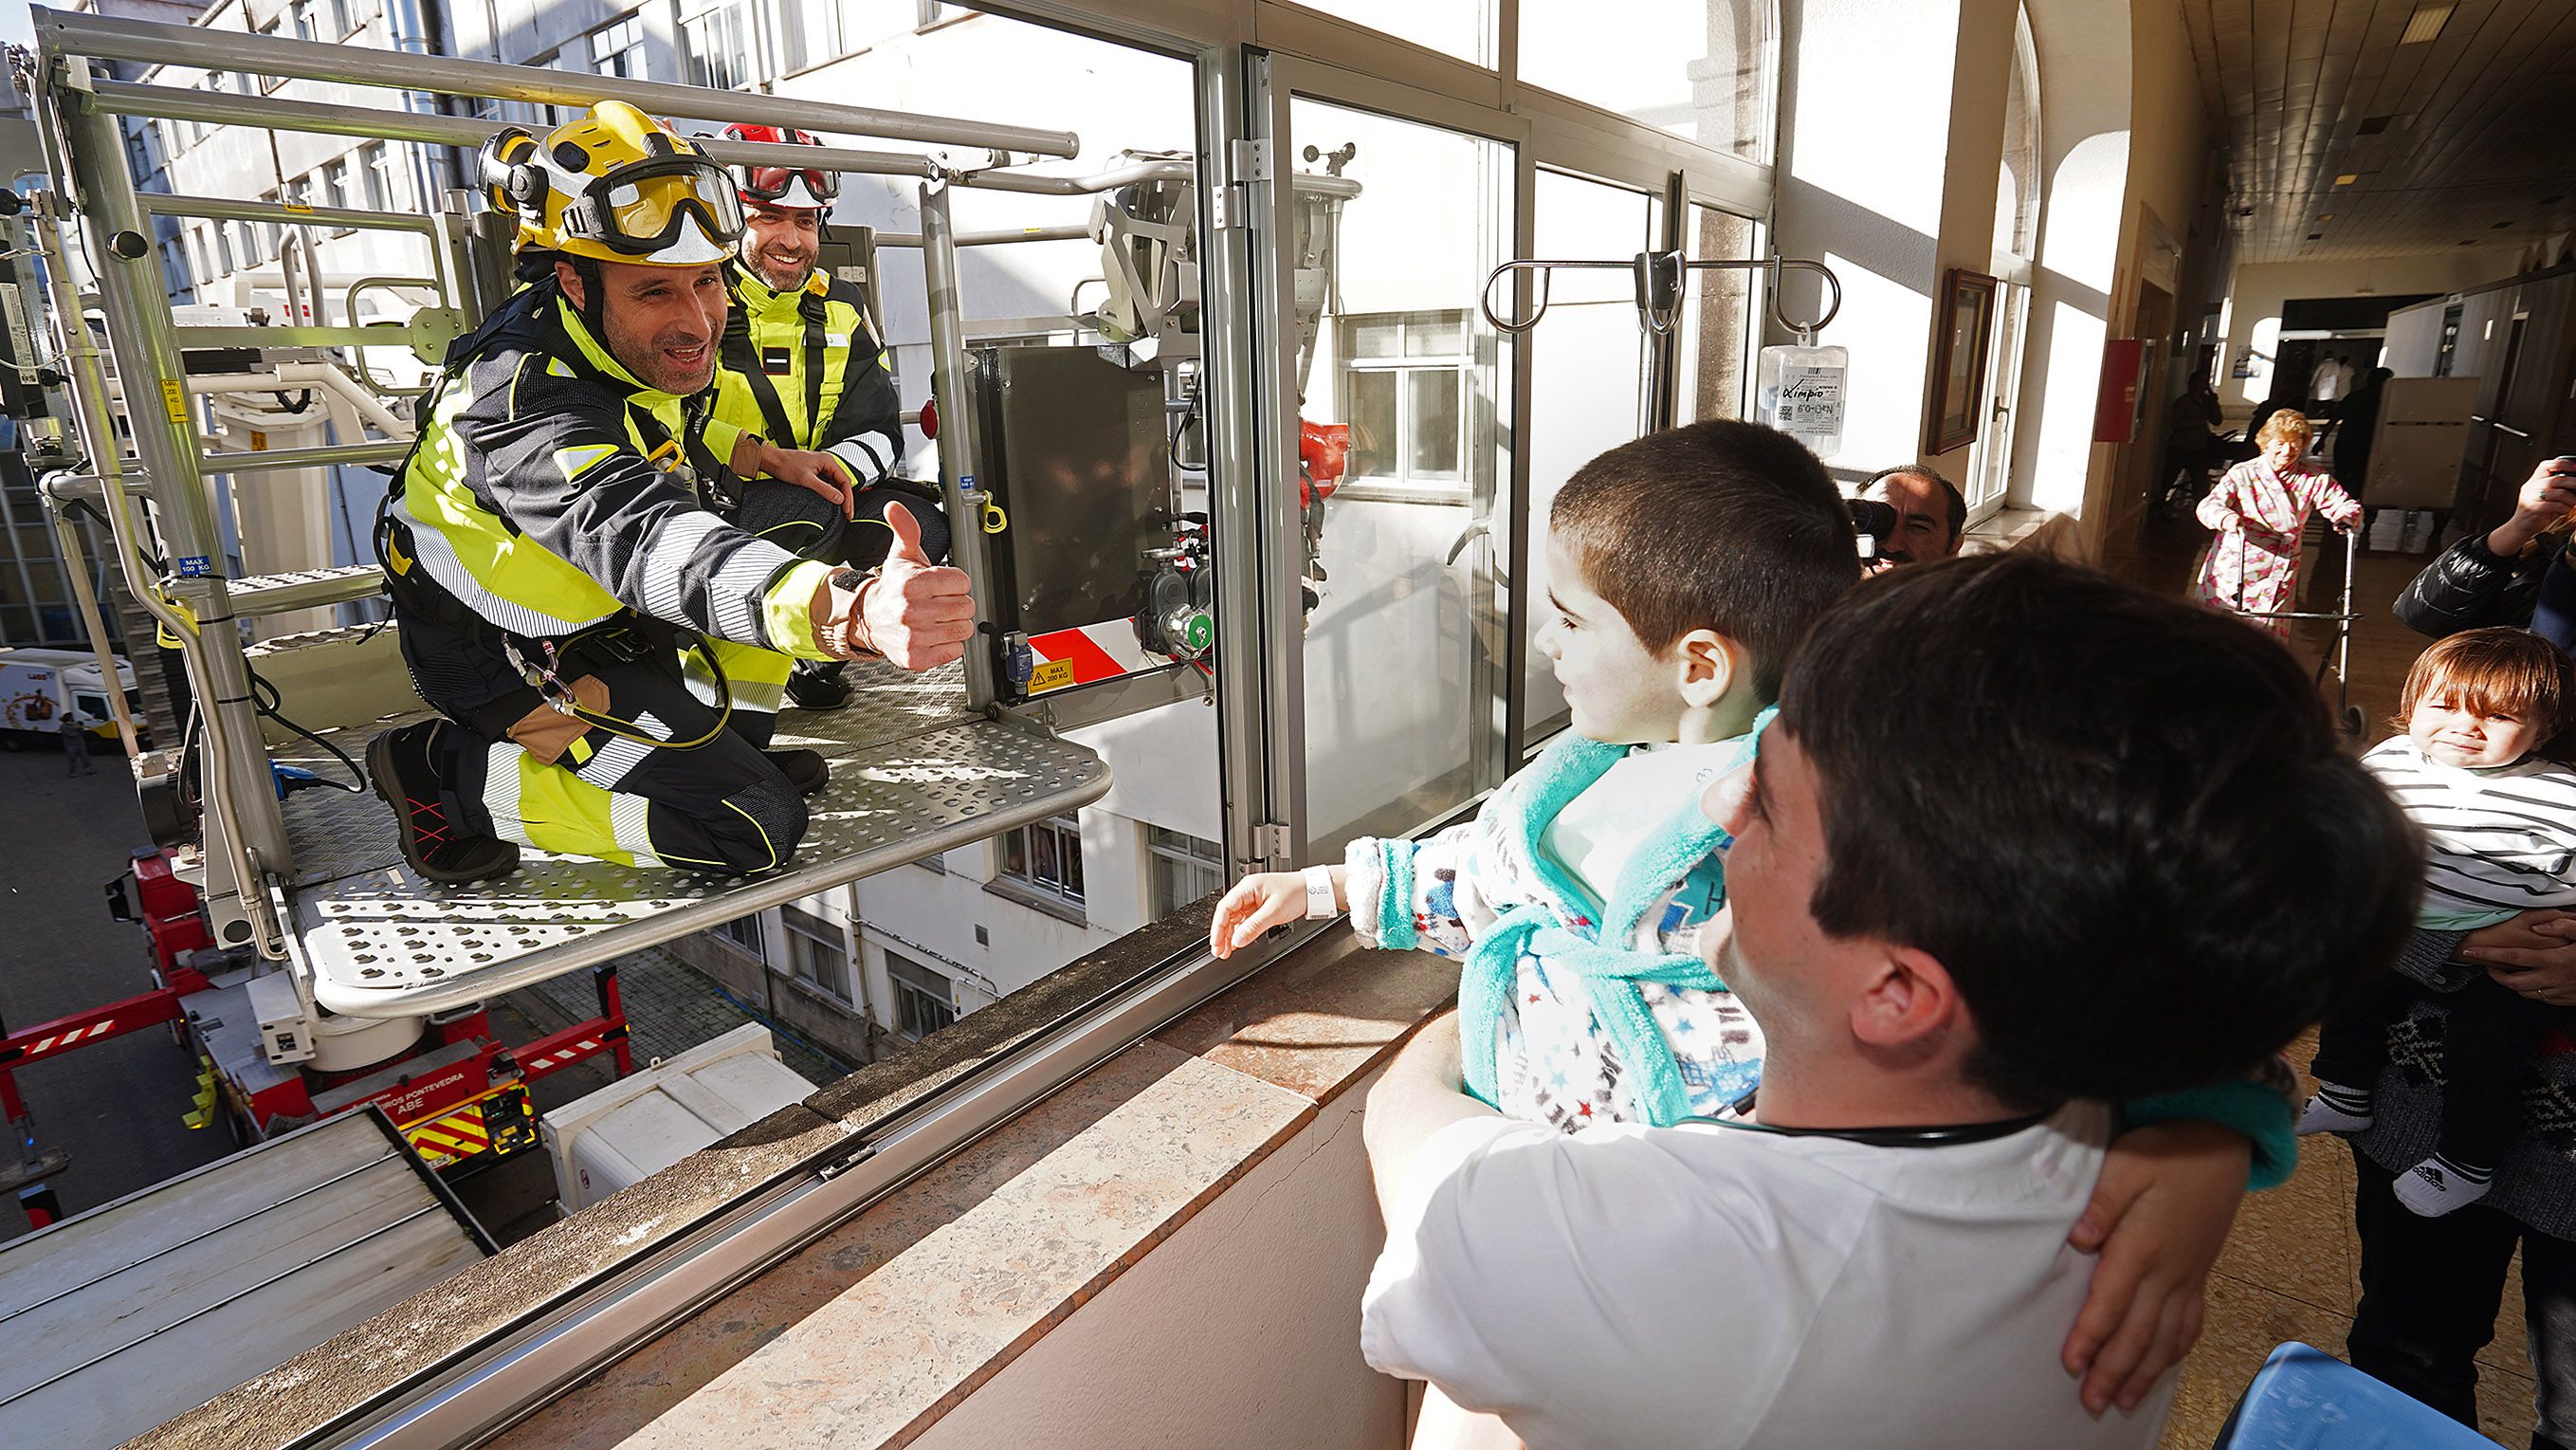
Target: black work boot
<point>804,769</point>
<point>817,685</point>
<point>402,764</point>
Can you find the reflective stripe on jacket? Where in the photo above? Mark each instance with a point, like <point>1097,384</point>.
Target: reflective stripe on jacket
<point>803,369</point>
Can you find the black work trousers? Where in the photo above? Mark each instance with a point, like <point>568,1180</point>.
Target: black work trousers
<point>2430,1292</point>
<point>668,786</point>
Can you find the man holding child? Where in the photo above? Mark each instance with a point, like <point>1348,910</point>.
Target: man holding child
<point>1928,941</point>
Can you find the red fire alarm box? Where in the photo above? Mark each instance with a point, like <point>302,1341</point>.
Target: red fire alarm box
<point>2115,409</point>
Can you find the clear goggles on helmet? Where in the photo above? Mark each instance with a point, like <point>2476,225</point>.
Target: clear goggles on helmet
<point>639,208</point>
<point>769,183</point>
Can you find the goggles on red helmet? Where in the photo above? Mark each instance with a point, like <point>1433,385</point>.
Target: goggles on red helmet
<point>769,184</point>
<point>777,185</point>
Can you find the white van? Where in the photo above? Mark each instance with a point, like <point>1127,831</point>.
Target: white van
<point>38,685</point>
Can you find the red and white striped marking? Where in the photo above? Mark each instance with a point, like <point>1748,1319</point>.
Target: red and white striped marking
<point>1095,652</point>
<point>557,1059</point>
<point>72,1038</point>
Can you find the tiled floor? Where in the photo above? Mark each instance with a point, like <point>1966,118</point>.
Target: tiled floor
<point>2290,1270</point>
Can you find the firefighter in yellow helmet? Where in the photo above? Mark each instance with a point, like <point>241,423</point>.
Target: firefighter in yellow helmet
<point>560,536</point>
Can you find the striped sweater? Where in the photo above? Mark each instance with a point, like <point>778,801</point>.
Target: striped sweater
<point>2501,840</point>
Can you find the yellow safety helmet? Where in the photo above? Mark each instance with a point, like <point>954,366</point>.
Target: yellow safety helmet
<point>615,186</point>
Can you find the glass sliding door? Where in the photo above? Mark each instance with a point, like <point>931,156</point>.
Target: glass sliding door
<point>1588,358</point>
<point>1403,641</point>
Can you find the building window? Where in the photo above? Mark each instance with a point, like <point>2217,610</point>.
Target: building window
<point>1185,868</point>
<point>333,181</point>
<point>1046,858</point>
<point>618,50</point>
<point>924,1000</point>
<point>723,47</point>
<point>349,16</point>
<point>1405,380</point>
<point>743,933</point>
<point>376,176</point>
<point>818,952</point>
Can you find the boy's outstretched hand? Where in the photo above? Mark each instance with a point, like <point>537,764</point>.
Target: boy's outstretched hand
<point>1258,903</point>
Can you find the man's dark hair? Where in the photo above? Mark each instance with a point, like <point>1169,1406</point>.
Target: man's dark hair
<point>1954,504</point>
<point>1719,525</point>
<point>2121,823</point>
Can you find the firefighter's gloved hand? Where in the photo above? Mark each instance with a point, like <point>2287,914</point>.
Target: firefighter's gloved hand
<point>915,613</point>
<point>820,472</point>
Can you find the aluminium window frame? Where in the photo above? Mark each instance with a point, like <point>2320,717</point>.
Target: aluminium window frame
<point>1245,56</point>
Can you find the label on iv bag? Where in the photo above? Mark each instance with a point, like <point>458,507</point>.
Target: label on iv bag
<point>1799,390</point>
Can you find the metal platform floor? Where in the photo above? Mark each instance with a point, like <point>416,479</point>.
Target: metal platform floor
<point>913,773</point>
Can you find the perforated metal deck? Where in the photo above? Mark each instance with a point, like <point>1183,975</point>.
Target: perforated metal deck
<point>912,774</point>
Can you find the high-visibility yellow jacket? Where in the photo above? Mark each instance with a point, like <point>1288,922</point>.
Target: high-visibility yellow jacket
<point>553,491</point>
<point>803,369</point>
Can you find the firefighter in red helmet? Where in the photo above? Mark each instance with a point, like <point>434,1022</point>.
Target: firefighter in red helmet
<point>800,366</point>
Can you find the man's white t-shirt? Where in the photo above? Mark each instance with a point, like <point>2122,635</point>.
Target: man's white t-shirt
<point>1720,1285</point>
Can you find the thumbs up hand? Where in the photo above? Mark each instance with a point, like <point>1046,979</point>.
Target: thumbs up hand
<point>915,613</point>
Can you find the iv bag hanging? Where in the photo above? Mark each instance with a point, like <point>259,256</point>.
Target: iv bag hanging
<point>1799,390</point>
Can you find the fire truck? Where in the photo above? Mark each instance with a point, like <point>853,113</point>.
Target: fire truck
<point>270,1062</point>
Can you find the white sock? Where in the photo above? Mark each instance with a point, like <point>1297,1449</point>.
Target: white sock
<point>2336,1109</point>
<point>2437,1185</point>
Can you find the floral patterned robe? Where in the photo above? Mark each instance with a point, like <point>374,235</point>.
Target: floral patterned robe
<point>2263,559</point>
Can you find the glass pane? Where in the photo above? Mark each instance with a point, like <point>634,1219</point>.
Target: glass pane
<point>1437,336</point>
<point>1717,332</point>
<point>1587,378</point>
<point>1376,339</point>
<point>1402,650</point>
<point>1463,28</point>
<point>2016,185</point>
<point>1433,402</point>
<point>1372,419</point>
<point>1990,458</point>
<point>1699,69</point>
<point>1070,863</point>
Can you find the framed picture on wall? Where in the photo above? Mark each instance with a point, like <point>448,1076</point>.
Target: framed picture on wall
<point>1959,371</point>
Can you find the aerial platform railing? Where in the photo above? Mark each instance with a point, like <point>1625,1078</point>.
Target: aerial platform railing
<point>931,762</point>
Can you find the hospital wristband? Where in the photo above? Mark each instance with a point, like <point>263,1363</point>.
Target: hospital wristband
<point>1320,902</point>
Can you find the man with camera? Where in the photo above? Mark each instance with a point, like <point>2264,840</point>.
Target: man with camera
<point>1914,514</point>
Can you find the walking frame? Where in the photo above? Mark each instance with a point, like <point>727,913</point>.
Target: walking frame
<point>2347,715</point>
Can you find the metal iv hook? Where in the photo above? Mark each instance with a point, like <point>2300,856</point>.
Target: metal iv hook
<point>1659,288</point>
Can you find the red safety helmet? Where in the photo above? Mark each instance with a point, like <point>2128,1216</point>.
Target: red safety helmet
<point>786,186</point>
